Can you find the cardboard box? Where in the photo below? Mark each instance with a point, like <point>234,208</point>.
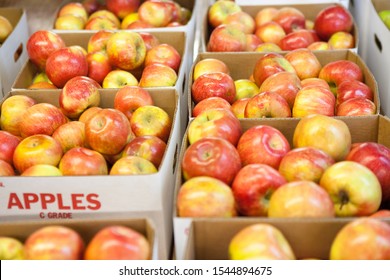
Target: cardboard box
<point>378,51</point>
<point>13,52</point>
<point>87,228</point>
<point>241,66</point>
<point>308,238</point>
<point>309,10</point>
<point>359,10</point>
<point>375,129</point>
<point>279,2</point>
<point>74,197</point>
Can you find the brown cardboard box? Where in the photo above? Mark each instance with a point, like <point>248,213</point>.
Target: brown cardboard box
<point>74,197</point>
<point>87,228</point>
<point>376,129</point>
<point>241,66</point>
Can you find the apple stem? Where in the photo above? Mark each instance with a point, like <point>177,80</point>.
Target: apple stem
<point>343,195</point>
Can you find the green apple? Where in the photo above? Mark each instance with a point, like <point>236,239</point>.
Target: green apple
<point>385,17</point>
<point>11,248</point>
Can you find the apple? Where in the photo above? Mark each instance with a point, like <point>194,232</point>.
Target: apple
<point>268,47</point>
<point>227,38</point>
<point>384,15</point>
<point>11,248</point>
<point>245,88</point>
<point>149,147</point>
<point>88,113</point>
<point>314,82</point>
<point>42,85</point>
<point>268,64</point>
<point>65,64</point>
<point>305,63</point>
<point>270,32</point>
<point>242,18</point>
<point>362,239</point>
<point>41,118</point>
<point>265,15</point>
<point>121,8</point>
<point>98,66</point>
<point>381,213</point>
<point>210,103</point>
<point>42,170</point>
<point>158,75</point>
<point>215,123</point>
<point>78,94</point>
<point>118,78</point>
<point>8,143</point>
<point>305,164</point>
<point>376,157</point>
<point>156,13</point>
<point>341,40</point>
<point>219,10</point>
<point>69,22</point>
<point>286,84</point>
<point>300,199</point>
<point>37,149</point>
<point>354,188</point>
<point>54,242</point>
<point>213,157</point>
<point>215,84</point>
<point>132,165</point>
<point>262,144</point>
<point>108,15</point>
<point>260,241</point>
<point>238,107</point>
<point>118,242</point>
<point>209,65</point>
<point>70,135</point>
<point>41,44</point>
<point>126,50</point>
<point>332,19</point>
<point>298,39</point>
<point>314,100</point>
<point>40,77</point>
<point>252,42</point>
<point>164,54</point>
<point>338,71</point>
<point>323,132</point>
<point>253,186</point>
<point>319,46</point>
<point>138,24</point>
<point>357,106</point>
<point>98,41</point>
<point>130,98</point>
<point>91,6</point>
<point>75,9</point>
<point>100,23</point>
<point>267,104</point>
<point>151,120</point>
<point>129,18</point>
<point>12,109</point>
<point>150,40</point>
<point>348,89</point>
<point>204,197</point>
<point>290,18</point>
<point>6,28</point>
<point>6,169</point>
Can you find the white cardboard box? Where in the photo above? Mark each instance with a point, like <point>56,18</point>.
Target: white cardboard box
<point>359,10</point>
<point>75,197</point>
<point>277,2</point>
<point>13,52</point>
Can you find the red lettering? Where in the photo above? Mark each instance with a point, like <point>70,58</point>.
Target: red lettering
<point>61,205</point>
<point>30,198</point>
<point>94,203</point>
<point>14,201</point>
<point>47,198</point>
<point>77,201</point>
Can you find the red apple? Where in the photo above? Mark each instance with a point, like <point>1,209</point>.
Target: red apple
<point>323,132</point>
<point>218,12</point>
<point>156,13</point>
<point>253,186</point>
<point>290,18</point>
<point>341,40</point>
<point>270,32</point>
<point>75,9</point>
<point>213,157</point>
<point>108,15</point>
<point>151,120</point>
<point>132,165</point>
<point>305,63</point>
<point>54,243</point>
<point>215,123</point>
<point>118,78</point>
<point>376,157</point>
<point>267,104</point>
<point>332,19</point>
<point>227,38</point>
<point>262,144</point>
<point>305,164</point>
<point>319,46</point>
<point>265,15</point>
<point>362,239</point>
<point>42,170</point>
<point>100,23</point>
<point>8,143</point>
<point>37,149</point>
<point>352,88</point>
<point>242,18</point>
<point>6,169</point>
<point>314,82</point>
<point>205,197</point>
<point>98,66</point>
<point>118,243</point>
<point>107,131</point>
<point>252,42</point>
<point>381,213</point>
<point>268,47</point>
<point>98,41</point>
<point>41,44</point>
<point>91,6</point>
<point>164,54</point>
<point>209,65</point>
<point>158,75</point>
<point>238,107</point>
<point>150,40</point>
<point>78,94</point>
<point>70,135</point>
<point>356,106</point>
<point>215,84</point>
<point>121,8</point>
<point>210,103</point>
<point>298,39</point>
<point>88,113</point>
<point>148,147</point>
<point>65,64</point>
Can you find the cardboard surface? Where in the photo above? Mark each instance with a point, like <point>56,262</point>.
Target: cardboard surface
<point>375,129</point>
<point>13,52</point>
<point>151,196</point>
<point>241,66</point>
<point>87,228</point>
<point>359,10</point>
<point>278,2</point>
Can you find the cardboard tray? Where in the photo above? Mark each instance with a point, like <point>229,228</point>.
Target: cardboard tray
<point>279,2</point>
<point>87,228</point>
<point>241,66</point>
<point>74,197</point>
<point>13,52</point>
<point>375,129</point>
<point>309,10</point>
